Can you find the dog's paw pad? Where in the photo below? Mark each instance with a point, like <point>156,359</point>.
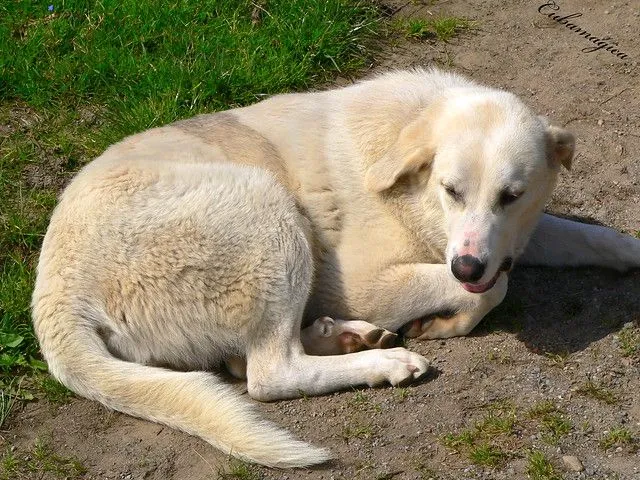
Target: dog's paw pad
<point>379,338</point>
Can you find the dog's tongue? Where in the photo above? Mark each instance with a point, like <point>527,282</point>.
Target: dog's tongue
<point>474,288</point>
<point>482,287</point>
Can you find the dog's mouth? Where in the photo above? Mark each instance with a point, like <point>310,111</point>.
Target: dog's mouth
<point>506,266</point>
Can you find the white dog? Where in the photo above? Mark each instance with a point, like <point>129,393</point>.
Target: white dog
<point>216,239</point>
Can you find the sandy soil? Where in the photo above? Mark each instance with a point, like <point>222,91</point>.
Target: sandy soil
<point>557,330</point>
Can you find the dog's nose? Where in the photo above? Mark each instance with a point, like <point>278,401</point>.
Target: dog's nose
<point>467,268</point>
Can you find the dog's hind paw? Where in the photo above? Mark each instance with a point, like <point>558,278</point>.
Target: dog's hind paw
<point>327,336</point>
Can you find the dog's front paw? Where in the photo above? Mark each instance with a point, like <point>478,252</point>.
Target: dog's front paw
<point>399,367</point>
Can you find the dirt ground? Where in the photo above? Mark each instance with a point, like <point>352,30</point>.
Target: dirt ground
<point>561,335</point>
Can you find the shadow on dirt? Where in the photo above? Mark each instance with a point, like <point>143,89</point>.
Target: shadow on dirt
<point>560,311</point>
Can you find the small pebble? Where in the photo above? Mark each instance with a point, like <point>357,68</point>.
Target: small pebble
<point>572,463</point>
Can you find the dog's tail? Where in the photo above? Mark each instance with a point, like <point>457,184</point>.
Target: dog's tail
<point>194,402</point>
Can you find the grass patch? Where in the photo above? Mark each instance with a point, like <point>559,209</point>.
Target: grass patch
<point>552,421</point>
<point>487,455</point>
<point>443,29</point>
<point>540,468</point>
<point>361,402</point>
<point>629,338</point>
<point>558,359</point>
<point>598,392</point>
<point>496,424</point>
<point>358,430</point>
<point>486,444</point>
<point>459,441</point>
<point>401,394</point>
<point>618,437</point>
<point>239,470</point>
<point>53,390</point>
<point>38,462</point>
<point>555,426</point>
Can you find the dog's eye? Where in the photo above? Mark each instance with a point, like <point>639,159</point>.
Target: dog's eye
<point>507,197</point>
<point>453,193</point>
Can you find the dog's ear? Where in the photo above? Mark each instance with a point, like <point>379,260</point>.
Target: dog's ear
<point>411,153</point>
<point>560,146</point>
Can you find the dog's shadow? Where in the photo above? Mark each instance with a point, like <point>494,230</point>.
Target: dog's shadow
<point>561,311</point>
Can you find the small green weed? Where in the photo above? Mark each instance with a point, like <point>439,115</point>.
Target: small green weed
<point>485,443</point>
<point>443,29</point>
<point>495,424</point>
<point>358,430</point>
<point>629,338</point>
<point>37,463</point>
<point>53,390</point>
<point>557,359</point>
<point>543,408</point>
<point>401,394</point>
<point>555,426</point>
<point>11,391</point>
<point>458,441</point>
<point>603,394</point>
<point>540,468</point>
<point>501,358</point>
<point>617,437</point>
<point>487,455</point>
<point>552,420</point>
<point>7,402</point>
<point>361,402</point>
<point>239,470</point>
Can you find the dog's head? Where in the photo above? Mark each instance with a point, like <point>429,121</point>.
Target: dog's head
<point>490,164</point>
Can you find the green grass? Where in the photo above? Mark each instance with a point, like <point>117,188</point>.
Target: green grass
<point>552,421</point>
<point>401,394</point>
<point>356,429</point>
<point>487,455</point>
<point>502,434</point>
<point>489,441</point>
<point>38,462</point>
<point>540,468</point>
<point>629,338</point>
<point>239,470</point>
<point>618,437</point>
<point>53,390</point>
<point>598,392</point>
<point>90,73</point>
<point>443,29</point>
<point>362,403</point>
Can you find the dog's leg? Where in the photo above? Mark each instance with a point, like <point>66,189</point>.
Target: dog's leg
<point>404,293</point>
<point>559,242</point>
<point>280,369</point>
<point>277,365</point>
<point>326,336</point>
